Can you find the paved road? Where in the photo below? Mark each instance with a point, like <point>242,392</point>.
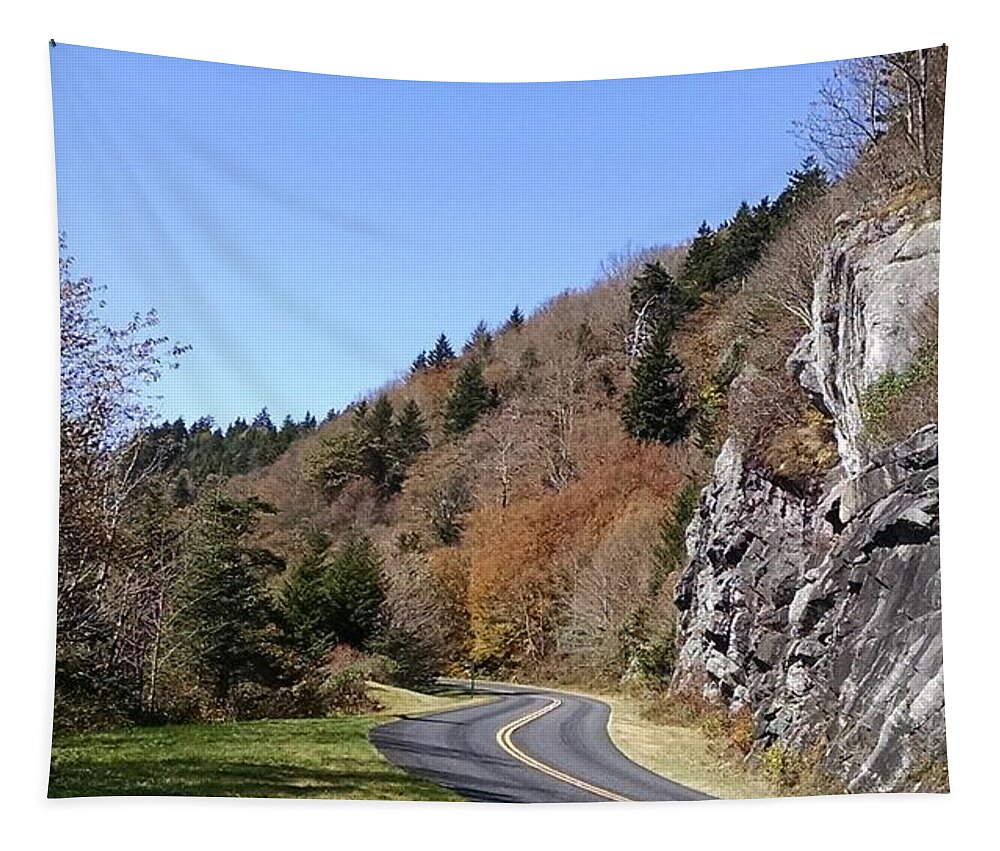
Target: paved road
<point>528,746</point>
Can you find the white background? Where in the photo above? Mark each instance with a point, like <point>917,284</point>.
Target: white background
<point>511,40</point>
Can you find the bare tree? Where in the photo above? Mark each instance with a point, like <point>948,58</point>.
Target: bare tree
<point>851,112</point>
<point>507,438</point>
<point>869,97</point>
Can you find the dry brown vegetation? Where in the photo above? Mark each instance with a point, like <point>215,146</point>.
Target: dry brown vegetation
<point>556,508</point>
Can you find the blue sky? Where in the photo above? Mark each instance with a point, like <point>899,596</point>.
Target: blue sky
<point>308,235</point>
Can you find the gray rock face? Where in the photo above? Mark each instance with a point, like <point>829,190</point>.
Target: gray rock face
<point>867,308</point>
<point>828,627</point>
<point>822,614</point>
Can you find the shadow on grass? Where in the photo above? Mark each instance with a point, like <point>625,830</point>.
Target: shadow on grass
<point>197,777</point>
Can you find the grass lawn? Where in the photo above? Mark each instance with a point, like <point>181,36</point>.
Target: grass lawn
<point>308,758</point>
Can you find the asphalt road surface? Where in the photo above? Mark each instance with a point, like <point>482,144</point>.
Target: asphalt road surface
<point>527,746</point>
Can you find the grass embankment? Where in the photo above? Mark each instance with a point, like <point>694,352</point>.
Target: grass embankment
<point>676,744</point>
<point>683,752</point>
<point>302,758</point>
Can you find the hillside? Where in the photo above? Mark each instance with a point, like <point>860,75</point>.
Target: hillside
<point>707,479</point>
<point>545,536</point>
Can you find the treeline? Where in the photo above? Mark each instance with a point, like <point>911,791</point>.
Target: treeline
<point>657,406</point>
<point>194,454</point>
<point>380,445</point>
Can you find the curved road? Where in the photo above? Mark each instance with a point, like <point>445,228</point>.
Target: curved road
<point>528,746</point>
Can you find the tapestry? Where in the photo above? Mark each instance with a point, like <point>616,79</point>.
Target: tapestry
<point>528,442</point>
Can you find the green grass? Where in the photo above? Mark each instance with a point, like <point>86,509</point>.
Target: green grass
<point>308,758</point>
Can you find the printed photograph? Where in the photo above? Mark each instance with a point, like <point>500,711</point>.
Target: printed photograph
<point>557,442</point>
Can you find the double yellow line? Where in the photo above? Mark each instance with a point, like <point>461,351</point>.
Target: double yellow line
<point>505,741</point>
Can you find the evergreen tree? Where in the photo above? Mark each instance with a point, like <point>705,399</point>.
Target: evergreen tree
<point>700,271</point>
<point>377,440</point>
<point>263,421</point>
<point>182,495</point>
<point>670,549</point>
<point>229,610</point>
<point>805,184</point>
<point>411,432</point>
<point>480,341</point>
<point>441,355</point>
<point>516,319</point>
<point>419,362</point>
<point>653,408</point>
<point>336,597</point>
<point>657,297</point>
<point>469,398</point>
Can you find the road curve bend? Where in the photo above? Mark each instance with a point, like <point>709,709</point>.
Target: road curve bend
<point>529,745</point>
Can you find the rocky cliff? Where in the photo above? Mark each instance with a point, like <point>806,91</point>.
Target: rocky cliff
<point>822,613</point>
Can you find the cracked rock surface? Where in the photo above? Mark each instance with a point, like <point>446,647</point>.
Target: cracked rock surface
<point>822,614</point>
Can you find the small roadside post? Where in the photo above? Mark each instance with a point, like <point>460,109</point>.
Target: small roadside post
<point>472,678</point>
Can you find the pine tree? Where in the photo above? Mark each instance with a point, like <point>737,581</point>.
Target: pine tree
<point>700,270</point>
<point>480,341</point>
<point>805,184</point>
<point>181,495</point>
<point>419,362</point>
<point>377,439</point>
<point>469,398</point>
<point>653,408</point>
<point>657,297</point>
<point>335,597</point>
<point>670,550</point>
<point>228,609</point>
<point>411,433</point>
<point>263,421</point>
<point>657,300</point>
<point>441,355</point>
<point>516,319</point>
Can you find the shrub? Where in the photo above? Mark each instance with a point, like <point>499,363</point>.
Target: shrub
<point>897,403</point>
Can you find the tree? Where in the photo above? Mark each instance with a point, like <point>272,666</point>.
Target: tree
<point>441,355</point>
<point>515,320</point>
<point>104,474</point>
<point>419,363</point>
<point>336,598</point>
<point>378,447</point>
<point>670,549</point>
<point>480,341</point>
<point>700,271</point>
<point>469,398</point>
<point>656,299</point>
<point>377,442</point>
<point>653,408</point>
<point>232,620</point>
<point>446,507</point>
<point>874,97</point>
<point>411,433</point>
<point>805,184</point>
